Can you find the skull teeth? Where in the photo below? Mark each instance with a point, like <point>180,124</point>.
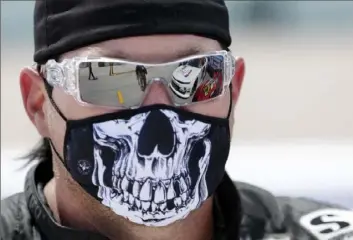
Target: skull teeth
<point>131,199</point>
<point>153,207</point>
<point>177,201</point>
<point>146,205</point>
<point>126,196</point>
<point>136,189</point>
<point>160,193</point>
<point>184,196</point>
<point>166,183</point>
<point>163,206</point>
<point>182,185</point>
<point>171,192</point>
<point>151,196</point>
<point>113,193</point>
<point>146,191</point>
<point>138,203</point>
<point>125,184</point>
<point>119,199</point>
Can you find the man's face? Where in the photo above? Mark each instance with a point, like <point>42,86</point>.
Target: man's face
<point>161,48</point>
<point>142,49</point>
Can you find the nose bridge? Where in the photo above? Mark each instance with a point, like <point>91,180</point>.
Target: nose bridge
<point>157,93</point>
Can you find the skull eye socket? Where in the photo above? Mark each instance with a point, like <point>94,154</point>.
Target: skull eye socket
<point>107,153</point>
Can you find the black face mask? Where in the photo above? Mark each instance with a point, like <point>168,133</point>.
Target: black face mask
<point>152,165</point>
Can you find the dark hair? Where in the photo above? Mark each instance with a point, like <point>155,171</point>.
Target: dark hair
<point>40,152</point>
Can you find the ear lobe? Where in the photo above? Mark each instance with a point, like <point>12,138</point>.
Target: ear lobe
<point>33,98</point>
<point>238,78</point>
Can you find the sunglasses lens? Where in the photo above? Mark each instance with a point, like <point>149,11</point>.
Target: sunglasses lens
<point>116,84</point>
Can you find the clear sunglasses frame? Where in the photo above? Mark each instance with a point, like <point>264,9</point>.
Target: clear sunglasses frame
<point>65,74</point>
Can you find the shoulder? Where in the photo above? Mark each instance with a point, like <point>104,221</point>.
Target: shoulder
<point>260,209</point>
<point>295,216</point>
<point>320,219</point>
<point>15,218</point>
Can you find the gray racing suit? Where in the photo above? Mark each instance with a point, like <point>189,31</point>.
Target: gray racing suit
<point>241,211</point>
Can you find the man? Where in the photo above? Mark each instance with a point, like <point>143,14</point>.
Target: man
<point>91,75</point>
<point>149,169</point>
<point>141,73</point>
<point>111,69</point>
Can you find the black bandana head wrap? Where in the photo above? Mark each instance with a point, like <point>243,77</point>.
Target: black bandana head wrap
<point>64,25</point>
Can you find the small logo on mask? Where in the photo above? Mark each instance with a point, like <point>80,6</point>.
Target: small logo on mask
<point>84,167</point>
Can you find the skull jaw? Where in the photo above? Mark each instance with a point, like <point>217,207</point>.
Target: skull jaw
<point>160,219</point>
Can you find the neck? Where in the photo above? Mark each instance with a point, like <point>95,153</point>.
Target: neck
<point>197,226</point>
<point>88,214</point>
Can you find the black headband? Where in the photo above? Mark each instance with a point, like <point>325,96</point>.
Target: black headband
<point>64,25</point>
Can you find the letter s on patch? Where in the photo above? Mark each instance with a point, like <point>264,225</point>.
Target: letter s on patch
<point>329,224</point>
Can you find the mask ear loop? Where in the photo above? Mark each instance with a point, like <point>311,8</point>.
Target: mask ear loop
<point>57,153</point>
<point>231,101</point>
<point>49,89</point>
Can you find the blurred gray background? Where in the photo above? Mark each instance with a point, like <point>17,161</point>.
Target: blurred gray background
<point>295,114</point>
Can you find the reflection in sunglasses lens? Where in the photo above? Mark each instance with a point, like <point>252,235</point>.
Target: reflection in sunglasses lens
<point>116,84</point>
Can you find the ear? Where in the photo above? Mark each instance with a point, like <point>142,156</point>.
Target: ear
<point>33,97</point>
<point>238,78</point>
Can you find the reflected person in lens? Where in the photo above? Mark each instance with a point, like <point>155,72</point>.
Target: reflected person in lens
<point>141,74</point>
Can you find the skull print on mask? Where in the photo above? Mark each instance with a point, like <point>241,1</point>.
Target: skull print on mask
<point>152,165</point>
<point>154,186</point>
